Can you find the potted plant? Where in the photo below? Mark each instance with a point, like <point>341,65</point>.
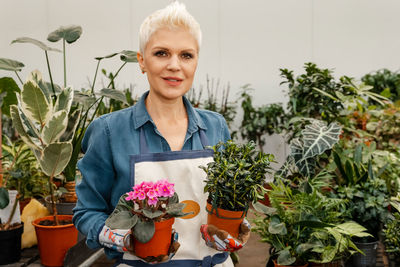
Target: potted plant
<point>234,179</point>
<point>391,240</point>
<point>149,210</point>
<point>367,198</point>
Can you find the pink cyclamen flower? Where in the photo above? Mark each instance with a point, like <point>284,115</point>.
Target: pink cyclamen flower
<point>152,201</point>
<point>141,195</point>
<point>130,196</point>
<point>166,188</point>
<point>152,193</point>
<point>147,186</point>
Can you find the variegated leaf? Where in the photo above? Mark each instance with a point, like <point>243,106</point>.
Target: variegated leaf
<point>35,104</point>
<point>72,124</point>
<point>64,100</point>
<point>69,33</point>
<point>9,64</point>
<point>46,87</point>
<point>317,137</point>
<point>55,127</point>
<point>55,157</point>
<point>35,42</point>
<point>306,166</point>
<point>17,123</point>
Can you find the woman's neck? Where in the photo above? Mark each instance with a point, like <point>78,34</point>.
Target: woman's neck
<point>171,111</point>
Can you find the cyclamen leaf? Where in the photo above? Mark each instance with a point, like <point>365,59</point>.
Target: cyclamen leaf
<point>144,231</point>
<point>121,220</point>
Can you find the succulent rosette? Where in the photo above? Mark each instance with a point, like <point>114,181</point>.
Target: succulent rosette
<point>145,204</point>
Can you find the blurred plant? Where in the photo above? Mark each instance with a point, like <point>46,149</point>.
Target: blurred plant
<point>305,226</point>
<point>214,102</point>
<point>259,121</point>
<point>391,236</point>
<point>22,171</point>
<point>385,83</point>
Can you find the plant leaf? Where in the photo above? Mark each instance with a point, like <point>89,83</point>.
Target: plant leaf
<point>55,157</point>
<point>34,103</point>
<point>9,64</point>
<point>55,127</point>
<point>122,220</point>
<point>64,100</point>
<point>285,258</point>
<point>4,198</point>
<point>277,227</point>
<point>108,56</point>
<point>71,126</point>
<point>113,94</point>
<point>46,87</point>
<point>144,231</point>
<point>8,86</point>
<point>69,33</point>
<point>18,125</point>
<point>151,215</point>
<point>35,42</point>
<point>263,208</point>
<point>129,56</point>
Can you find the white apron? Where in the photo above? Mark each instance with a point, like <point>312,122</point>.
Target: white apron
<point>182,169</point>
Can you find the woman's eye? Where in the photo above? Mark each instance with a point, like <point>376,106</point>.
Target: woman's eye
<point>187,55</point>
<point>160,53</point>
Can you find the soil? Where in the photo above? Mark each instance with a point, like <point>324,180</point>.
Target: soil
<point>12,227</point>
<point>52,223</point>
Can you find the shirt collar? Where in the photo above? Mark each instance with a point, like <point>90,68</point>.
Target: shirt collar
<point>141,115</point>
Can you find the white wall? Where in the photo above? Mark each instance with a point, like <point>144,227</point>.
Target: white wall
<point>243,41</point>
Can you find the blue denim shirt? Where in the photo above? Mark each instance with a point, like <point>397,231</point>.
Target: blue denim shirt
<point>108,142</point>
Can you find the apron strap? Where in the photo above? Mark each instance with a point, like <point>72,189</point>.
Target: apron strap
<point>144,148</point>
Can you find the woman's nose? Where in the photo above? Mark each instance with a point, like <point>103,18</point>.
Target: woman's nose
<point>174,63</point>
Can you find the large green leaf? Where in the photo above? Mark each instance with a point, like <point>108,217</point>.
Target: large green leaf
<point>18,125</point>
<point>55,127</point>
<point>113,94</point>
<point>4,198</point>
<point>352,229</point>
<point>64,100</point>
<point>285,258</point>
<point>317,137</point>
<point>306,166</point>
<point>71,127</point>
<point>129,56</point>
<point>122,220</point>
<point>84,99</point>
<point>34,103</point>
<point>276,227</point>
<point>55,157</point>
<point>69,33</point>
<point>144,231</point>
<point>35,42</point>
<point>263,208</point>
<point>8,86</point>
<point>9,64</point>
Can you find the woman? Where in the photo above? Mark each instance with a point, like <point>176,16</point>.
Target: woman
<point>120,147</point>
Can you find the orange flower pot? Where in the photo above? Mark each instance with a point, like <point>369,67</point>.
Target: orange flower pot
<point>227,220</point>
<point>54,241</point>
<point>159,244</point>
<point>278,265</point>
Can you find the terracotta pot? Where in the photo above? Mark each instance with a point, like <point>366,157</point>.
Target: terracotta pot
<point>227,220</point>
<point>54,241</point>
<point>159,244</point>
<point>278,265</point>
<point>10,245</point>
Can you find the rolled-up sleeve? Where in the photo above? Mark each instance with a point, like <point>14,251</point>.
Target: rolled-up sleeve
<point>94,191</point>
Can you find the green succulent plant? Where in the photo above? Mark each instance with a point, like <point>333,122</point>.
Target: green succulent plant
<point>236,176</point>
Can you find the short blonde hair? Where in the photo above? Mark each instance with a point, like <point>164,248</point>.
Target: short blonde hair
<point>173,16</point>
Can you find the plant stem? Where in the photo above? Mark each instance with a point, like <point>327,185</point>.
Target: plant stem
<point>116,74</point>
<point>7,225</point>
<point>19,78</point>
<point>65,65</point>
<point>53,202</point>
<point>51,77</point>
<point>95,75</point>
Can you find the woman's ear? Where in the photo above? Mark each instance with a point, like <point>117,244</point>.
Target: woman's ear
<point>140,61</point>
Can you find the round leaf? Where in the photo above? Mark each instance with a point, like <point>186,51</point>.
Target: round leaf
<point>69,33</point>
<point>144,231</point>
<point>9,64</point>
<point>121,220</point>
<point>35,42</point>
<point>4,198</point>
<point>113,94</point>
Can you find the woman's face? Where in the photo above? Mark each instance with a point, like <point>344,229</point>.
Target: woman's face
<point>170,60</point>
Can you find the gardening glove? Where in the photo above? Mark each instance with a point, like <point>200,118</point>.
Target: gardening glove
<point>114,239</point>
<point>160,259</point>
<point>222,240</point>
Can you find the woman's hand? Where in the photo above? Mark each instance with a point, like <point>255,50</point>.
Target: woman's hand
<point>222,240</point>
<point>173,248</point>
